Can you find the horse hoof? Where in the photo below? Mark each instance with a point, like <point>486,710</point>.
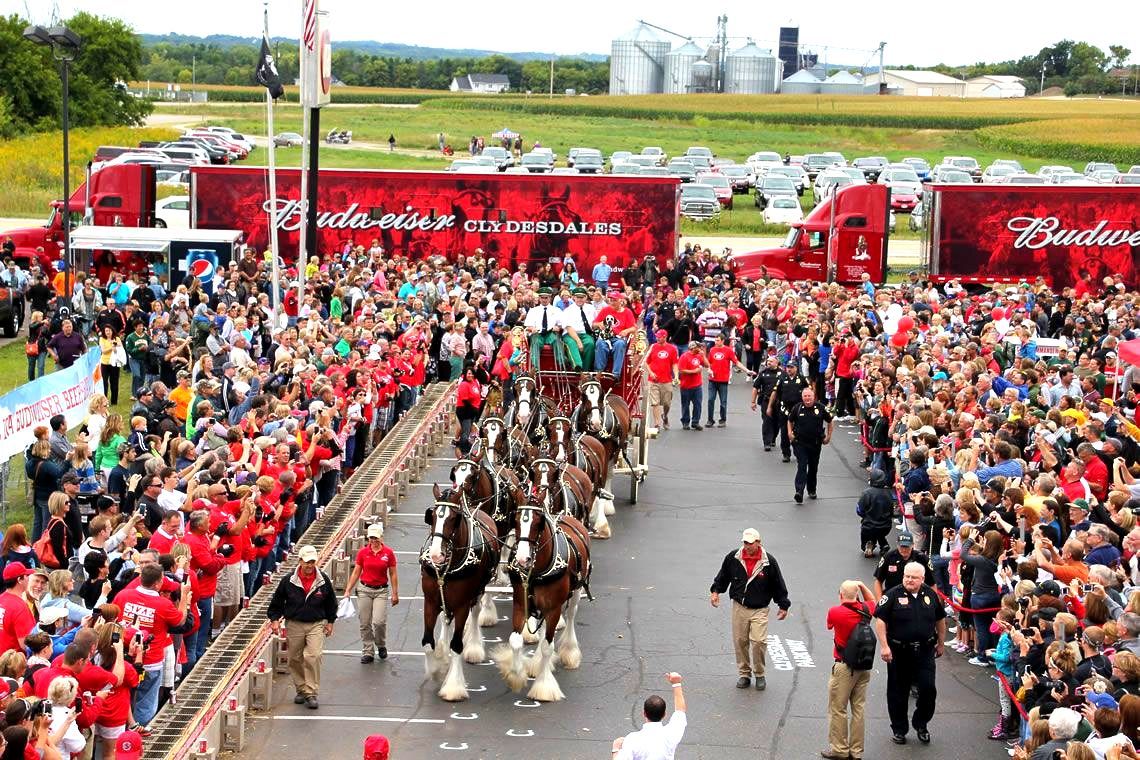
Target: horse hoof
<point>571,659</point>
<point>453,694</point>
<point>602,531</point>
<point>546,690</point>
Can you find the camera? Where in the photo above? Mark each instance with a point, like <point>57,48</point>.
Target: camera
<point>1023,602</point>
<point>1028,632</point>
<point>43,707</point>
<point>1055,685</point>
<point>1087,587</point>
<point>116,637</point>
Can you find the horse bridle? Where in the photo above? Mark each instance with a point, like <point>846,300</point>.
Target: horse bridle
<point>556,564</point>
<point>448,545</point>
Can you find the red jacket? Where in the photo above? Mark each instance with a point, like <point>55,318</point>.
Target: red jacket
<point>845,354</point>
<point>206,564</point>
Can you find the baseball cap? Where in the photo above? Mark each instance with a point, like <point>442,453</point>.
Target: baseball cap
<point>14,570</point>
<point>376,747</point>
<point>308,553</point>
<point>1050,588</point>
<point>52,615</point>
<point>5,691</point>
<point>69,477</point>
<point>750,536</point>
<point>375,530</point>
<point>1100,700</point>
<point>128,746</point>
<point>1080,504</point>
<point>906,539</point>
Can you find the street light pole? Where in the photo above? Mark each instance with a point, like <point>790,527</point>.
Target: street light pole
<point>1041,89</point>
<point>64,45</point>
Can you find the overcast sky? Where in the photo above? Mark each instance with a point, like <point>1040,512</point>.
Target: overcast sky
<point>966,31</point>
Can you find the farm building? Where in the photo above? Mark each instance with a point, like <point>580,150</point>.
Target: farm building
<point>995,86</point>
<point>924,83</point>
<point>842,83</point>
<point>480,83</point>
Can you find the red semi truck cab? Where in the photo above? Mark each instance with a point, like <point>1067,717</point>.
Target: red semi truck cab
<point>114,196</point>
<point>842,239</point>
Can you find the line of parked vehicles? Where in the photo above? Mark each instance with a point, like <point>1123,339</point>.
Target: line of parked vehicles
<point>777,183</point>
<point>172,161</point>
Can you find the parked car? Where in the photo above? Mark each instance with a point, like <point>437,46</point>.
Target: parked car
<point>536,163</point>
<point>1135,169</point>
<point>740,177</point>
<point>783,209</point>
<point>699,150</point>
<point>916,221</point>
<point>236,137</point>
<point>619,157</point>
<point>826,183</point>
<point>1105,176</point>
<point>1070,179</point>
<point>170,178</point>
<point>192,155</point>
<point>551,156</point>
<point>288,140</point>
<point>627,169</point>
<point>773,186</point>
<point>966,164</point>
<point>658,154</point>
<point>906,190</point>
<point>643,160</point>
<point>795,173</point>
<point>1096,166</point>
<point>503,157</point>
<point>1127,179</point>
<point>573,153</point>
<point>814,163</point>
<point>655,171</point>
<point>920,166</point>
<point>1050,169</point>
<point>1011,163</point>
<point>762,161</point>
<point>173,212</point>
<point>996,173</point>
<point>856,175</point>
<point>590,162</point>
<point>891,220</point>
<point>948,175</point>
<point>837,158</point>
<point>699,202</point>
<point>871,166</point>
<point>461,165</point>
<point>720,184</point>
<point>218,155</point>
<point>1025,179</point>
<point>702,163</point>
<point>683,170</point>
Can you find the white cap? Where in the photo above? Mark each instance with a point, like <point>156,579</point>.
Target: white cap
<point>376,530</point>
<point>308,553</point>
<point>51,615</point>
<point>750,536</point>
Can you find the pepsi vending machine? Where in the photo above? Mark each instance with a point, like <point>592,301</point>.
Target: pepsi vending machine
<point>204,259</point>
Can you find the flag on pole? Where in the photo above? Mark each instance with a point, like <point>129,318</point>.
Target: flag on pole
<point>266,74</point>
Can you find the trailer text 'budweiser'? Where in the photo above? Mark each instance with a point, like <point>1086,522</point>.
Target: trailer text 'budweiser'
<point>1038,233</point>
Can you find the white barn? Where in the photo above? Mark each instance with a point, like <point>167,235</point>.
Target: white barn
<point>923,83</point>
<point>996,86</point>
<point>492,83</point>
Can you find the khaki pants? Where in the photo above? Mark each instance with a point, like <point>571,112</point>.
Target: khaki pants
<point>749,635</point>
<point>660,399</point>
<point>846,687</point>
<point>305,642</point>
<point>372,609</point>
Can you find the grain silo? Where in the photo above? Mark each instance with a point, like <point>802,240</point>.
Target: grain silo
<point>679,69</point>
<point>842,83</point>
<point>704,80</point>
<point>637,62</point>
<point>752,71</point>
<point>803,82</point>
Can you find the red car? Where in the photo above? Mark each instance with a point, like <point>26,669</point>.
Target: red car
<point>720,184</point>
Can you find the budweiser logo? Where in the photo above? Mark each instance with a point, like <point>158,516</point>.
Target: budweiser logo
<point>289,219</point>
<point>1034,233</point>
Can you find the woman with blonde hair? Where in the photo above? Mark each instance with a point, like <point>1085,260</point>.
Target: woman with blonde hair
<point>46,472</point>
<point>113,719</point>
<point>97,410</point>
<point>63,692</point>
<point>61,539</point>
<point>79,458</point>
<point>61,585</point>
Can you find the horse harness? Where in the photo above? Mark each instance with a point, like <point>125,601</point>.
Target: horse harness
<point>473,552</point>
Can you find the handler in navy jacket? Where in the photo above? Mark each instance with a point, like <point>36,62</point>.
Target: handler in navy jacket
<point>753,580</point>
<point>306,601</point>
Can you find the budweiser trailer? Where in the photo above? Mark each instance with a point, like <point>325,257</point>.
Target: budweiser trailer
<point>515,219</point>
<point>983,234</point>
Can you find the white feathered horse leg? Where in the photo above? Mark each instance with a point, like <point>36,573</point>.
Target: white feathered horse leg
<point>569,652</point>
<point>530,630</point>
<point>545,687</point>
<point>488,615</point>
<point>608,495</point>
<point>600,526</point>
<point>454,686</point>
<point>510,661</point>
<point>473,651</point>
<point>435,658</point>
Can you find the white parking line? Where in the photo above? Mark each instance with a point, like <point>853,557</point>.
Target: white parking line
<point>356,719</point>
<point>357,652</point>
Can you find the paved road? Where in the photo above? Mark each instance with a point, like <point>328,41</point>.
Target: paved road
<point>651,616</point>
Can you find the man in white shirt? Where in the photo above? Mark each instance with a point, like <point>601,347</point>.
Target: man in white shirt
<point>544,326</point>
<point>656,740</point>
<point>577,333</point>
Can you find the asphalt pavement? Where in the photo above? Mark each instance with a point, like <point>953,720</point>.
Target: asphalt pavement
<point>651,616</point>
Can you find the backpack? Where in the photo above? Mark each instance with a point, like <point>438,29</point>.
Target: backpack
<point>859,652</point>
<point>45,551</point>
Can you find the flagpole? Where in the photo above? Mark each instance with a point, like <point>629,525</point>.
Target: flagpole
<point>274,251</point>
<point>306,149</point>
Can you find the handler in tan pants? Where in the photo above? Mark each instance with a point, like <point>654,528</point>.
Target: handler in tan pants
<point>753,581</point>
<point>306,601</point>
<point>847,687</point>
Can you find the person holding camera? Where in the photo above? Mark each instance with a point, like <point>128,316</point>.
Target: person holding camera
<point>154,616</point>
<point>228,521</point>
<point>983,551</point>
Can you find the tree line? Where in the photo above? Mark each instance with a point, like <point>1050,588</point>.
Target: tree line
<point>234,64</point>
<point>1076,67</point>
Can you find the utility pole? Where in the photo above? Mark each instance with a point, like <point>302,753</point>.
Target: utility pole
<point>882,77</point>
<point>1041,89</point>
<point>552,76</point>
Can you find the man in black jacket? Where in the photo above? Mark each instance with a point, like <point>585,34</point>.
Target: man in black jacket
<point>753,581</point>
<point>306,601</point>
<point>876,510</point>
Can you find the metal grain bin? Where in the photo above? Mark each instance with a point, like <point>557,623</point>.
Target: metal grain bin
<point>803,82</point>
<point>752,71</point>
<point>637,63</point>
<point>679,69</point>
<point>842,83</point>
<point>704,80</point>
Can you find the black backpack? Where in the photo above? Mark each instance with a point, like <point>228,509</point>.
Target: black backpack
<point>859,652</point>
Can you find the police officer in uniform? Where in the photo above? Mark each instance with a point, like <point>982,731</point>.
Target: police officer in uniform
<point>889,572</point>
<point>762,389</point>
<point>785,395</point>
<point>810,425</point>
<point>910,625</point>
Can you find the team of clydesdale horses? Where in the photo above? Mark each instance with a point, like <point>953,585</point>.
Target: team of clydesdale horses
<point>520,503</point>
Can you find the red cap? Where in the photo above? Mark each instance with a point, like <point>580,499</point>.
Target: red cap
<point>129,746</point>
<point>15,570</point>
<point>614,293</point>
<point>376,747</point>
<point>5,690</point>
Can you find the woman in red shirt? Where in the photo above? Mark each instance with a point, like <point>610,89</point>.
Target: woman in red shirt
<point>468,399</point>
<point>109,655</point>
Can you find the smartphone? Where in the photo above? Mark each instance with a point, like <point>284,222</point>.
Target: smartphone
<point>1088,587</point>
<point>116,637</point>
<point>1029,632</point>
